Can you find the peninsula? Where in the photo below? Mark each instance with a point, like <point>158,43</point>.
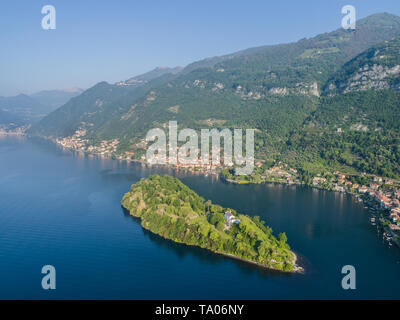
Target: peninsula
<point>172,210</point>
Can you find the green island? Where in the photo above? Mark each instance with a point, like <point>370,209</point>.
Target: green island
<point>173,211</point>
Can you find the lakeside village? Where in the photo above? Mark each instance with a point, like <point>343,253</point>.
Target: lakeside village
<point>380,195</point>
<point>13,130</point>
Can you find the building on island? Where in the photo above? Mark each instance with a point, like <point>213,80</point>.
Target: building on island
<point>230,218</point>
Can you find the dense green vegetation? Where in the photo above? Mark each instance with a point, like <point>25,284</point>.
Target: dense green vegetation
<point>172,210</point>
<point>337,136</point>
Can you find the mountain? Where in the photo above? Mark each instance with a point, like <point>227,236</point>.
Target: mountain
<point>285,91</point>
<point>376,68</point>
<point>94,108</point>
<point>52,99</point>
<point>357,123</point>
<point>22,106</point>
<point>19,101</point>
<point>31,108</point>
<point>365,90</point>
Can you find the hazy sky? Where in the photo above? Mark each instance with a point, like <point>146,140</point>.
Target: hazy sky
<point>114,40</point>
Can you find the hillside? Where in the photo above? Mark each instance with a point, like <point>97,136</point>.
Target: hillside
<point>170,209</point>
<point>296,95</point>
<point>255,78</point>
<point>97,106</point>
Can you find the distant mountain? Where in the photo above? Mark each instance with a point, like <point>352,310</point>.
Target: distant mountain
<point>22,107</point>
<point>52,99</point>
<point>31,108</point>
<point>290,93</point>
<point>21,100</point>
<point>7,118</point>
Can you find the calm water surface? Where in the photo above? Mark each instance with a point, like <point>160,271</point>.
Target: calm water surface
<point>63,209</point>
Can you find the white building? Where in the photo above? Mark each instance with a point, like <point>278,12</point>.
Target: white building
<point>230,218</point>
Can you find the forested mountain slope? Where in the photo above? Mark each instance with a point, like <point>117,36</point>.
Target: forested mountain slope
<point>357,122</point>
<point>305,99</point>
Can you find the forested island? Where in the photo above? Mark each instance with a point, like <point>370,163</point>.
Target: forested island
<point>172,210</point>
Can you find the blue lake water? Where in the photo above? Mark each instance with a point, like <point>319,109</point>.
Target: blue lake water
<point>63,209</point>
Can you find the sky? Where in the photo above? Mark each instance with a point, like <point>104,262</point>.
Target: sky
<point>114,40</point>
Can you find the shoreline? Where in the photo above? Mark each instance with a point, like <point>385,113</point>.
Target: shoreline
<point>296,268</point>
<point>217,172</point>
<point>12,134</point>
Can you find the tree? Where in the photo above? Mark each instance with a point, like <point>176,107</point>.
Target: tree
<point>220,225</point>
<point>282,238</point>
<point>208,205</point>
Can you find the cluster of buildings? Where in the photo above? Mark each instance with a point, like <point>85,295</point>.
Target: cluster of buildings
<point>281,173</point>
<point>382,194</point>
<point>337,183</point>
<point>75,142</point>
<point>388,201</point>
<point>78,142</point>
<point>200,166</point>
<point>109,148</point>
<point>106,147</point>
<point>11,130</point>
<point>194,166</point>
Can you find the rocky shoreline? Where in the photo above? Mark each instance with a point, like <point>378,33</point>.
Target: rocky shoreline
<point>296,268</point>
